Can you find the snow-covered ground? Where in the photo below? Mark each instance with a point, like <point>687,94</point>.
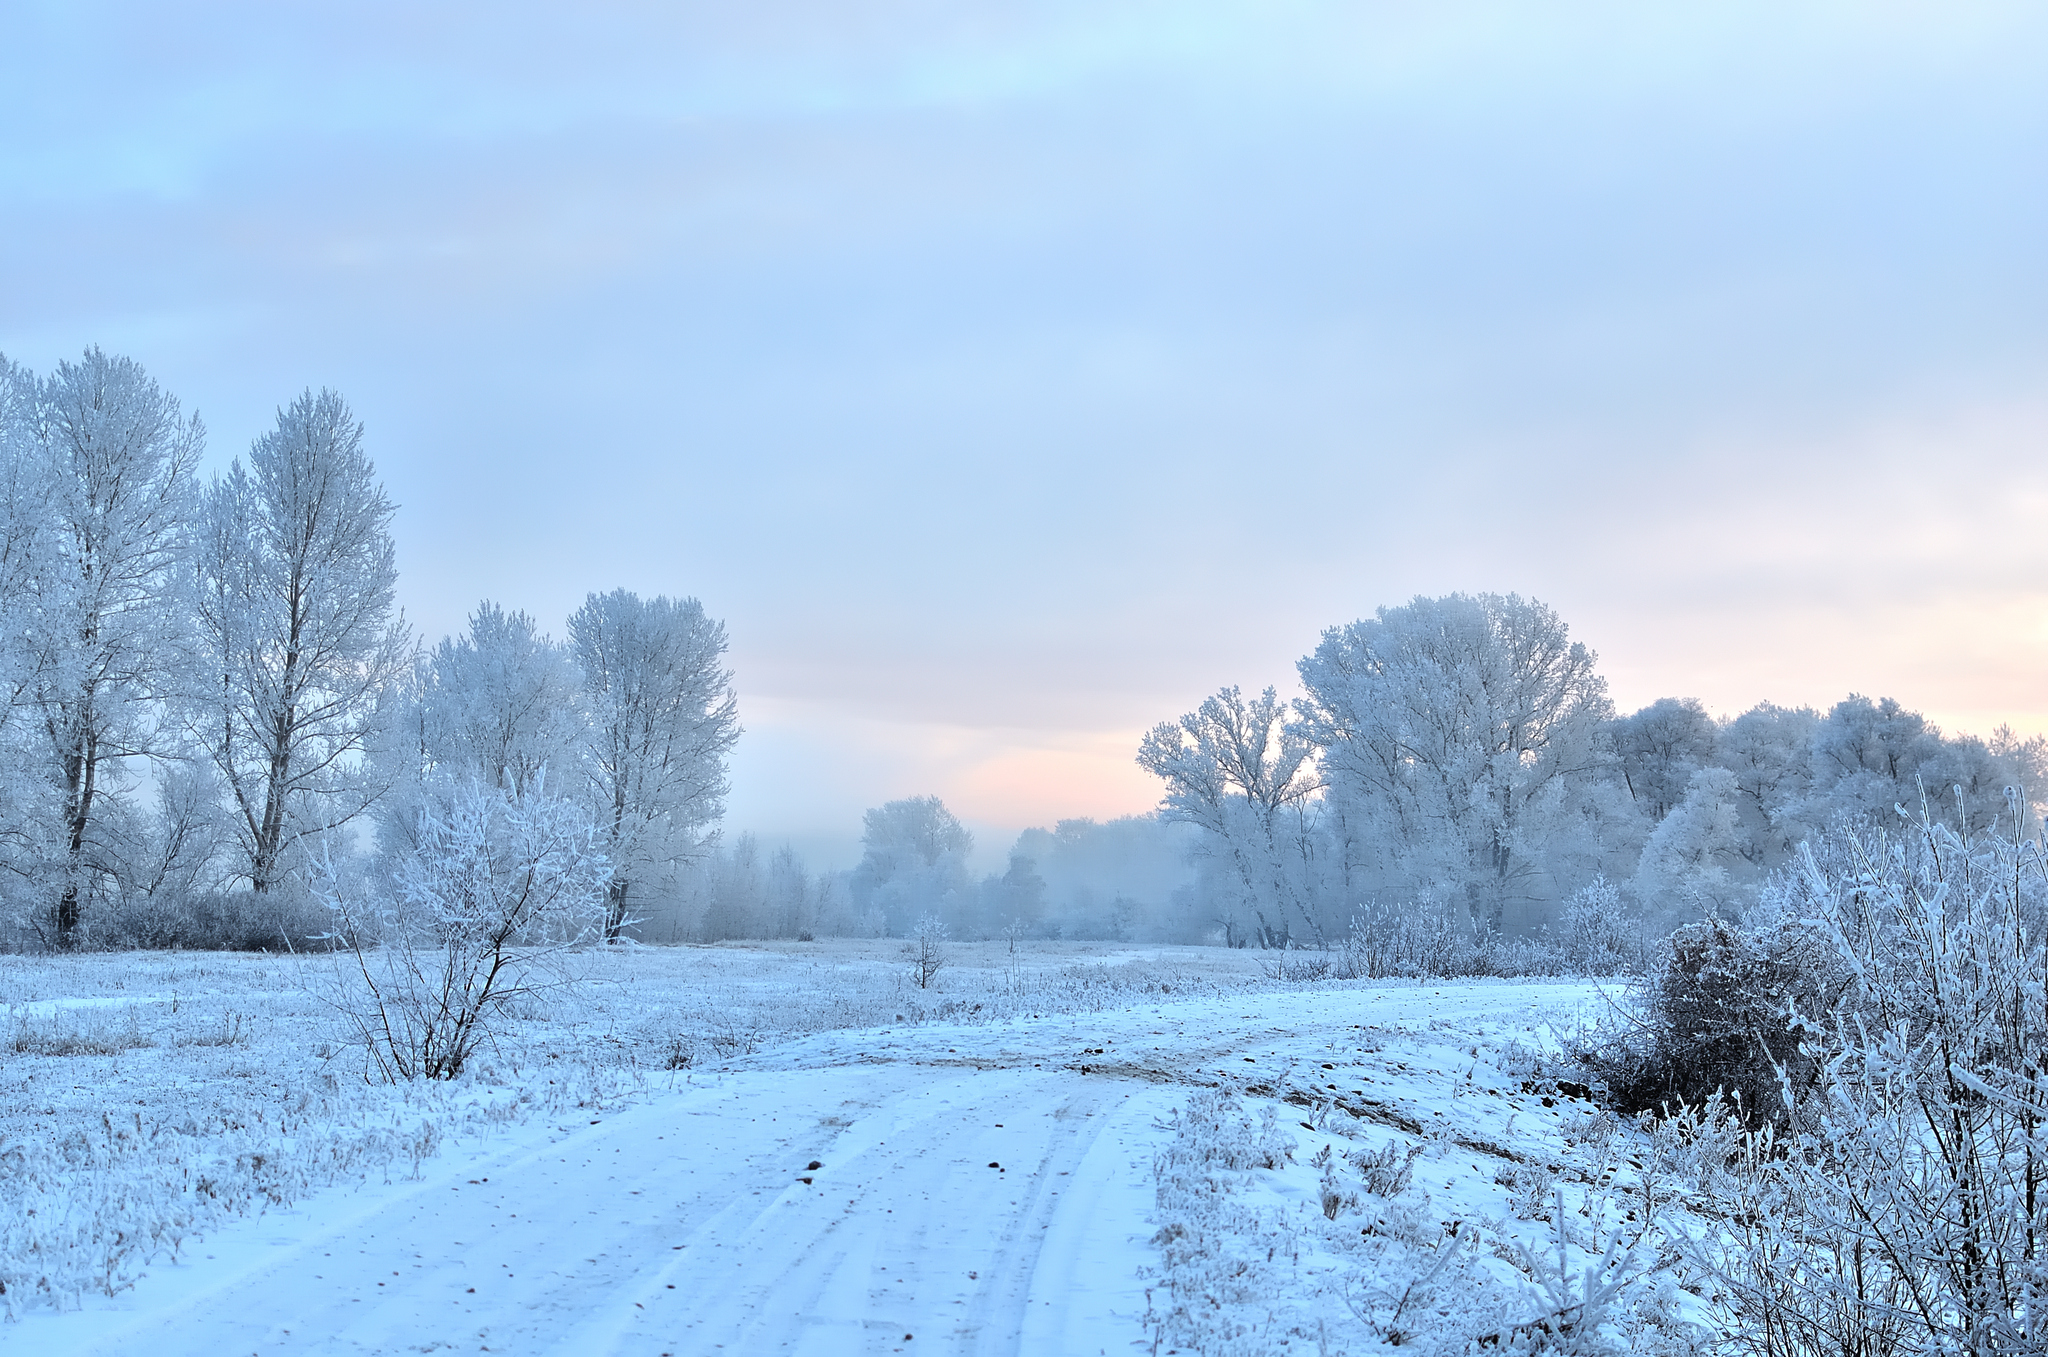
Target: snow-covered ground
<point>838,1162</point>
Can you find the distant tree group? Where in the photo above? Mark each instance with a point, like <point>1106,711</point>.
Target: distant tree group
<point>203,685</point>
<point>1123,880</point>
<point>1453,792</point>
<point>1462,752</point>
<point>205,689</point>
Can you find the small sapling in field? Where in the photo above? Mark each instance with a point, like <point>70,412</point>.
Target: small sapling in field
<point>927,950</point>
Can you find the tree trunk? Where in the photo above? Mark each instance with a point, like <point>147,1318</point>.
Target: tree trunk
<point>80,769</point>
<point>615,909</point>
<point>269,836</point>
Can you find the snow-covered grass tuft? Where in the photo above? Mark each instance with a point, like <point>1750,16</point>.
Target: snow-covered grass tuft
<point>71,1032</point>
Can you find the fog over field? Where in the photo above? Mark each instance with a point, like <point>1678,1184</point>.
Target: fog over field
<point>1412,642</point>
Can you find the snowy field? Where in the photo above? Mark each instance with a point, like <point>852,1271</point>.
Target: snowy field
<point>793,1148</point>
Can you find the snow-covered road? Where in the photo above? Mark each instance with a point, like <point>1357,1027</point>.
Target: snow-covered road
<point>979,1190</point>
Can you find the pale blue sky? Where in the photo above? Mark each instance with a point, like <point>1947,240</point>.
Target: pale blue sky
<point>1009,377</point>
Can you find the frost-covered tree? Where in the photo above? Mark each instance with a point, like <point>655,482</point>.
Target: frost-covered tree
<point>1870,758</point>
<point>1082,869</point>
<point>1013,904</point>
<point>1660,748</point>
<point>927,950</point>
<point>1463,742</point>
<point>292,604</point>
<point>913,863</point>
<point>1974,776</point>
<point>736,896</point>
<point>1769,750</point>
<point>733,888</point>
<point>792,902</point>
<point>99,489</point>
<point>1866,756</point>
<point>661,723</point>
<point>1693,863</point>
<point>24,490</point>
<point>26,819</point>
<point>500,705</point>
<point>505,702</point>
<point>1239,773</point>
<point>180,855</point>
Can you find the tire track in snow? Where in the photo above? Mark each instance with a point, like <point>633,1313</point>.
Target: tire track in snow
<point>906,1231</point>
<point>680,1226</point>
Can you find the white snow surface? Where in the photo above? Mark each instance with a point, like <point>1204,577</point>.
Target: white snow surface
<point>982,1188</point>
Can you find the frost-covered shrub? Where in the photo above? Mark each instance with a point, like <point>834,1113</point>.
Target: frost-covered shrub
<point>1905,1210</point>
<point>1298,963</point>
<point>1331,1194</point>
<point>1577,1301</point>
<point>1530,1188</point>
<point>490,890</point>
<point>1215,1133</point>
<point>1388,1173</point>
<point>1596,934</point>
<point>1593,1128</point>
<point>287,918</point>
<point>1713,1019</point>
<point>1428,936</point>
<point>1691,1147</point>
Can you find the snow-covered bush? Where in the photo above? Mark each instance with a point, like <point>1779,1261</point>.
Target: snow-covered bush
<point>1907,1208</point>
<point>1596,934</point>
<point>1711,1019</point>
<point>1577,1302</point>
<point>492,889</point>
<point>1289,962</point>
<point>1425,936</point>
<point>1216,1133</point>
<point>1388,1173</point>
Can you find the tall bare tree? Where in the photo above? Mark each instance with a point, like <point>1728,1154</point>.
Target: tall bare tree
<point>1236,770</point>
<point>100,486</point>
<point>1457,732</point>
<point>293,599</point>
<point>662,724</point>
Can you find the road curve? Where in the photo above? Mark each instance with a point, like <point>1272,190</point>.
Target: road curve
<point>973,1207</point>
